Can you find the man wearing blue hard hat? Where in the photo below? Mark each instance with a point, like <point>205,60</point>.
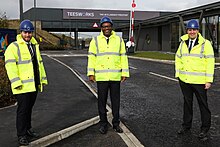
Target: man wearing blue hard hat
<point>27,75</point>
<point>108,66</point>
<point>194,65</point>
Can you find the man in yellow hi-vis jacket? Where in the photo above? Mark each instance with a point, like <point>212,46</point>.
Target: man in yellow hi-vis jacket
<point>108,65</point>
<point>26,73</point>
<point>194,65</point>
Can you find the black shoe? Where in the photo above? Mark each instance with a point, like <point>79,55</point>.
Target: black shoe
<point>31,133</point>
<point>22,140</point>
<point>183,131</point>
<point>202,134</point>
<point>118,129</point>
<point>103,130</point>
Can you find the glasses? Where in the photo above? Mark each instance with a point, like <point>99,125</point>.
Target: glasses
<point>106,27</point>
<point>27,32</point>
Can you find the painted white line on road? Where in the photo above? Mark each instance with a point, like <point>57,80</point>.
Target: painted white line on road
<point>8,106</point>
<point>152,73</point>
<point>217,68</point>
<point>66,55</point>
<point>127,136</point>
<point>131,67</point>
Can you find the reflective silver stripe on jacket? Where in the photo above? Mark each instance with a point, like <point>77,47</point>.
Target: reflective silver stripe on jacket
<point>125,70</point>
<point>195,73</point>
<point>106,53</point>
<point>108,70</point>
<point>27,81</point>
<point>44,78</point>
<point>19,55</point>
<point>90,53</point>
<point>91,69</point>
<point>23,81</point>
<point>10,61</point>
<point>15,79</point>
<point>201,55</point>
<point>209,56</point>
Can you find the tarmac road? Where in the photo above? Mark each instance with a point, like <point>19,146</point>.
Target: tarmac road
<point>151,106</point>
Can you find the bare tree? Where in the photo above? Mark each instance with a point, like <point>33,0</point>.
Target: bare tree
<point>3,20</point>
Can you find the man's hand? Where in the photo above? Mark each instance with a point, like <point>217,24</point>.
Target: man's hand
<point>123,79</point>
<point>207,85</point>
<point>92,78</point>
<point>18,88</point>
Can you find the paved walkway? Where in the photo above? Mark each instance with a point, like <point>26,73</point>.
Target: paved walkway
<point>65,107</point>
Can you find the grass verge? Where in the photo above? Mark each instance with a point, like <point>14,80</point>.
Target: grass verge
<point>159,55</point>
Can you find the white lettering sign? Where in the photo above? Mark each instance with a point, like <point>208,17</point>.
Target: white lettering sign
<point>80,14</point>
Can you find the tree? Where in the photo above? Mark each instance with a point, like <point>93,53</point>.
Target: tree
<point>3,20</point>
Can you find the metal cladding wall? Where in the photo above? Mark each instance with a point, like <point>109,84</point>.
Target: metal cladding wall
<point>166,37</point>
<point>53,19</point>
<point>148,39</point>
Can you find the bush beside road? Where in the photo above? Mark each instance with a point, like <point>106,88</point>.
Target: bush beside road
<point>6,96</point>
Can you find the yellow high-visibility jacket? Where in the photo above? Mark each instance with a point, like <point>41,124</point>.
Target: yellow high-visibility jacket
<point>107,62</point>
<point>19,66</point>
<point>196,67</point>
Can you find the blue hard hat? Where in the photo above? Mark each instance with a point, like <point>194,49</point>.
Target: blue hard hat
<point>105,19</point>
<point>192,24</point>
<point>26,25</point>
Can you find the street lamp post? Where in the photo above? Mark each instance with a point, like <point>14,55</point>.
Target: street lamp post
<point>35,29</point>
<point>21,9</point>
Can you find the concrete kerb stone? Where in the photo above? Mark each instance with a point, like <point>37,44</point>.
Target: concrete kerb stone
<point>55,137</point>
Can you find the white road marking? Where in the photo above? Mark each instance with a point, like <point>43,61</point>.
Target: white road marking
<point>131,67</point>
<point>8,106</point>
<point>165,77</point>
<point>217,68</point>
<point>66,55</point>
<point>127,135</point>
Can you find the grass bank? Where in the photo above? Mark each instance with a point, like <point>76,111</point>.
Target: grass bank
<point>159,55</point>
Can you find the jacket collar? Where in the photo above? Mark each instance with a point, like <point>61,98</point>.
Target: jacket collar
<point>21,40</point>
<point>113,34</point>
<point>200,38</point>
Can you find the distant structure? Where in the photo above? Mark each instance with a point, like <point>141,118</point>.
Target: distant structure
<point>162,33</point>
<point>83,20</point>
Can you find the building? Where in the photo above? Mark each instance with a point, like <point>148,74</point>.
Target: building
<point>163,33</point>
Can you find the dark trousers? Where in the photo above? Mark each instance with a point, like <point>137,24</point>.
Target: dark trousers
<point>25,103</point>
<point>201,95</point>
<point>103,88</point>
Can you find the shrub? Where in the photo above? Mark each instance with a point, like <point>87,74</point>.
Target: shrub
<point>6,96</point>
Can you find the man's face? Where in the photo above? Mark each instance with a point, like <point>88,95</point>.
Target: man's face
<point>26,35</point>
<point>192,33</point>
<point>107,29</point>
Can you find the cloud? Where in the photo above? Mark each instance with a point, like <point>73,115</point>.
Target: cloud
<point>12,9</point>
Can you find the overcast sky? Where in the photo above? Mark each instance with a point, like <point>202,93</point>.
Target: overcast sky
<point>12,8</point>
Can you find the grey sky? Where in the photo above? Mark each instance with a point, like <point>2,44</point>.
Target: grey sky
<point>12,8</point>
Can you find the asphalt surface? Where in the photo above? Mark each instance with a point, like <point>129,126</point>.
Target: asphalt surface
<point>65,102</point>
<point>151,106</point>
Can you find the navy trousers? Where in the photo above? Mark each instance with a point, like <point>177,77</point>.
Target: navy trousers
<point>114,88</point>
<point>201,94</point>
<point>25,103</point>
